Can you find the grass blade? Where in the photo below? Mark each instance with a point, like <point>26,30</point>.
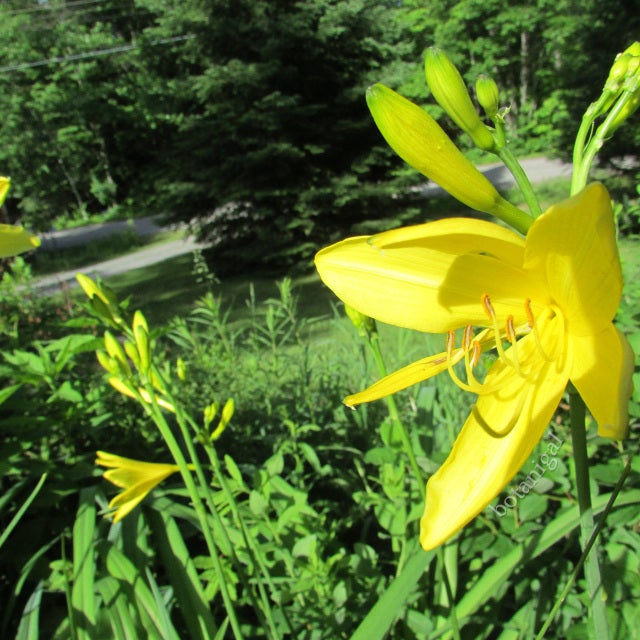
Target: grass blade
<point>390,606</point>
<point>84,566</point>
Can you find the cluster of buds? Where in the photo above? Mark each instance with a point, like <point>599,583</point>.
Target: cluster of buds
<point>621,93</point>
<point>420,141</point>
<point>130,364</point>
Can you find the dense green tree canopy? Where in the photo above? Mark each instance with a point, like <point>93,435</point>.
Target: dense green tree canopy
<point>248,118</point>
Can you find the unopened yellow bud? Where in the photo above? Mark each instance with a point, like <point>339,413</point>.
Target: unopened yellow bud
<point>227,413</point>
<point>210,413</point>
<point>107,363</point>
<point>450,91</point>
<point>488,95</point>
<point>141,335</point>
<point>418,139</point>
<point>115,351</point>
<point>132,352</point>
<point>122,387</point>
<point>181,370</point>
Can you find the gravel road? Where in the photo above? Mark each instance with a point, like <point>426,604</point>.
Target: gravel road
<point>538,170</point>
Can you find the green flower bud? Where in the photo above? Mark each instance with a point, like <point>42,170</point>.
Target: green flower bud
<point>365,325</point>
<point>181,370</point>
<point>450,92</point>
<point>141,335</point>
<point>227,413</point>
<point>107,363</point>
<point>488,95</point>
<point>115,351</point>
<point>420,141</point>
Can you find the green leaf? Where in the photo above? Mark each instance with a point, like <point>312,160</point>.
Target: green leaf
<point>28,628</point>
<point>391,604</point>
<point>82,593</point>
<point>182,574</point>
<point>141,597</point>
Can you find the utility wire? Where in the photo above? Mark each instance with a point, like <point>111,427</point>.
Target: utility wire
<point>92,54</point>
<point>48,7</point>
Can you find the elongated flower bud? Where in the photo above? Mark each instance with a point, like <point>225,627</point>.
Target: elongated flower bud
<point>418,139</point>
<point>488,95</point>
<point>451,93</point>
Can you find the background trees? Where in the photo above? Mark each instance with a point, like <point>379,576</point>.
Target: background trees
<point>248,117</point>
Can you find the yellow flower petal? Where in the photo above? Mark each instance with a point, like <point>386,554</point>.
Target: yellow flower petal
<point>403,378</point>
<point>15,240</point>
<point>495,441</point>
<point>601,372</point>
<point>4,187</point>
<point>573,247</point>
<point>136,477</point>
<point>427,279</point>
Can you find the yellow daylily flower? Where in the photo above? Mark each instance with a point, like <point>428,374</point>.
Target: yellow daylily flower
<point>550,297</point>
<point>137,478</point>
<point>13,239</point>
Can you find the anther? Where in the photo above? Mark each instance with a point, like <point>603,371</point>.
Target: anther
<point>527,309</point>
<point>475,356</point>
<point>467,337</point>
<point>488,307</point>
<point>511,330</point>
<point>451,342</point>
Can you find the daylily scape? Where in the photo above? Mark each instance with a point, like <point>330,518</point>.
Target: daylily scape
<point>544,304</point>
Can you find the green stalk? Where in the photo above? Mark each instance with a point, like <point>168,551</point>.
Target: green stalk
<point>584,154</point>
<point>510,161</point>
<point>248,540</point>
<point>198,505</point>
<point>601,521</point>
<point>599,629</point>
<point>374,343</point>
<point>265,611</point>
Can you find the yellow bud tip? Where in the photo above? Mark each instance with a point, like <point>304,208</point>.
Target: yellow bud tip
<point>450,91</point>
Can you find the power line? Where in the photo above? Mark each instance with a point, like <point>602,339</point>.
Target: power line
<point>92,54</point>
<point>48,7</point>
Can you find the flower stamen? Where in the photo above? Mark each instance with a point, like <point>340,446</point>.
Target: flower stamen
<point>531,322</point>
<point>472,349</point>
<point>488,307</point>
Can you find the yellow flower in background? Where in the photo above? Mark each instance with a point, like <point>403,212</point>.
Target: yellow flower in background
<point>13,239</point>
<point>545,304</point>
<point>137,478</point>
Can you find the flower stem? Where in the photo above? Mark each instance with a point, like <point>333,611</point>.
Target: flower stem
<point>599,629</point>
<point>594,535</point>
<point>198,505</point>
<point>510,161</point>
<point>394,414</point>
<point>374,343</point>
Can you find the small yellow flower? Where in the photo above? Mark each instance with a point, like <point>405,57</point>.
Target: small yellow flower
<point>551,298</point>
<point>137,478</point>
<point>13,240</point>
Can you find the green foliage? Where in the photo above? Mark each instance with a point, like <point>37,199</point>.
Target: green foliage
<point>324,507</point>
